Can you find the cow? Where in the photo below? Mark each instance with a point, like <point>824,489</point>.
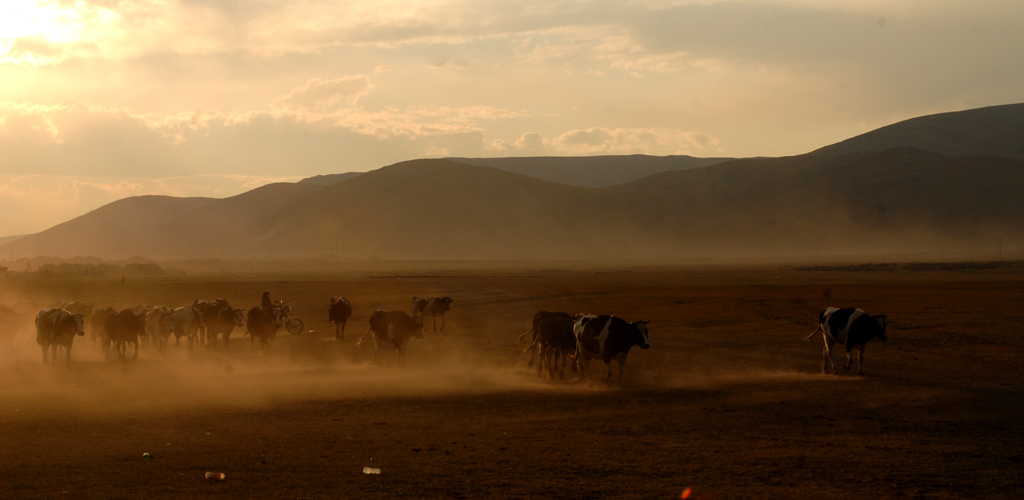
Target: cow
<point>78,308</point>
<point>225,323</point>
<point>852,328</point>
<point>98,323</point>
<point>393,327</point>
<point>339,310</point>
<point>557,339</point>
<point>219,318</point>
<point>264,323</point>
<point>608,338</point>
<point>187,321</point>
<point>435,306</point>
<point>534,345</point>
<point>58,327</point>
<point>125,328</point>
<point>201,305</point>
<point>160,325</point>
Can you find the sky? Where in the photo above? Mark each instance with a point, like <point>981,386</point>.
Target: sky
<point>103,99</point>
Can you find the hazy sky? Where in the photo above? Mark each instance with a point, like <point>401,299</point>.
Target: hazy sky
<point>103,99</point>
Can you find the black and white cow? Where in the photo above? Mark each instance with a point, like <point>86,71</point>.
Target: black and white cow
<point>339,310</point>
<point>434,306</point>
<point>852,328</point>
<point>608,338</point>
<point>393,327</point>
<point>58,327</point>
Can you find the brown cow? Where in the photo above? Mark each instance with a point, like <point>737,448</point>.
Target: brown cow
<point>393,327</point>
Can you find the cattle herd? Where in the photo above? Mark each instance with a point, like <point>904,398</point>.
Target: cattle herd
<point>557,340</point>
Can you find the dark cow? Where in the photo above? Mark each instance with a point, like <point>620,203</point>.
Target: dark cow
<point>263,324</point>
<point>557,341</point>
<point>534,345</point>
<point>853,329</point>
<point>339,310</point>
<point>220,319</point>
<point>98,321</point>
<point>393,327</point>
<point>187,321</point>
<point>608,338</point>
<point>159,325</point>
<point>227,321</point>
<point>434,306</point>
<point>125,328</point>
<point>58,327</point>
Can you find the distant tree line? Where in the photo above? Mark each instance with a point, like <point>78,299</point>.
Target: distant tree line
<point>130,269</point>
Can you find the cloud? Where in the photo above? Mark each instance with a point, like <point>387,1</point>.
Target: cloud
<point>324,96</point>
<point>311,137</point>
<point>617,141</point>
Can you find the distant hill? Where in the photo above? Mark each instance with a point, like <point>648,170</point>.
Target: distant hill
<point>591,171</point>
<point>7,239</point>
<point>328,179</point>
<point>900,200</point>
<point>995,130</point>
<point>857,196</point>
<point>119,229</point>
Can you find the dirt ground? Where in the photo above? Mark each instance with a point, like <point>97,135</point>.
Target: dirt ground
<point>729,401</point>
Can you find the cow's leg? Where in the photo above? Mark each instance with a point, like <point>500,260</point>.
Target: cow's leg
<point>46,347</point>
<point>400,346</point>
<point>608,367</point>
<point>442,322</point>
<point>860,361</point>
<point>828,356</point>
<point>376,347</point>
<point>136,355</point>
<point>542,353</point>
<point>343,329</point>
<point>434,320</point>
<point>621,358</point>
<point>849,359</point>
<point>53,353</point>
<point>67,352</point>
<point>337,331</point>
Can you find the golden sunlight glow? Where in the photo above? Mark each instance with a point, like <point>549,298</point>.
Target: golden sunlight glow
<point>34,32</point>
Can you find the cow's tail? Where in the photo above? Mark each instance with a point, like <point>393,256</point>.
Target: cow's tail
<point>809,337</point>
<point>519,341</point>
<point>364,337</point>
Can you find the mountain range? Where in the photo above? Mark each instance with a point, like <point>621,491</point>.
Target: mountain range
<point>948,182</point>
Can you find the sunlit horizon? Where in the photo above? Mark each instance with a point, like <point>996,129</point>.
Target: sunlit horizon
<point>101,100</point>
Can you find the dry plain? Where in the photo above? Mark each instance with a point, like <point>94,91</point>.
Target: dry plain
<point>728,401</point>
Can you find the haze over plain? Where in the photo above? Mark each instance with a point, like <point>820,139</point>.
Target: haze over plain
<point>101,101</point>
